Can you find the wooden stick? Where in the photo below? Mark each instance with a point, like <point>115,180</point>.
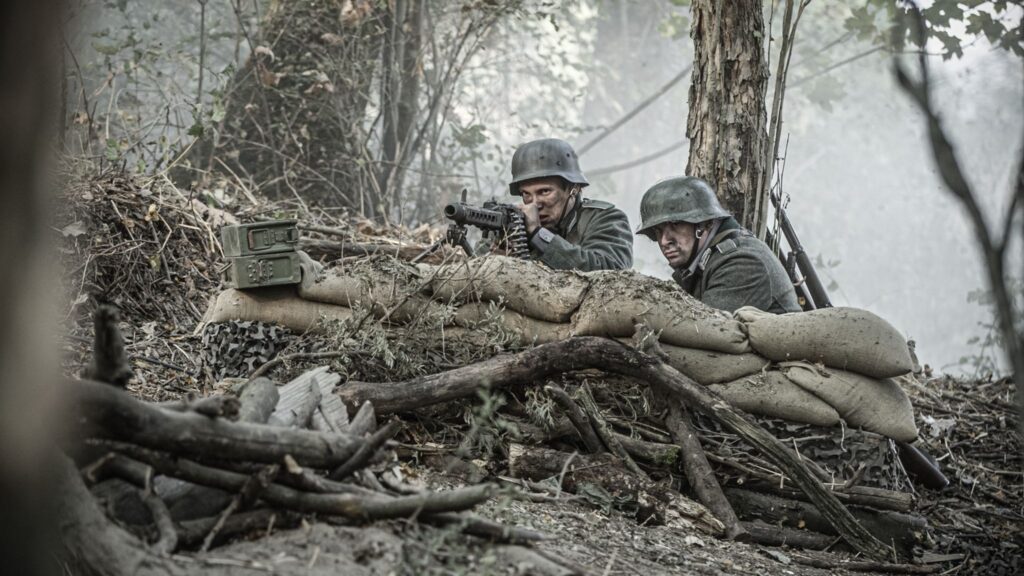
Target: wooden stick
<point>699,474</point>
<point>605,432</point>
<point>578,418</point>
<point>592,352</point>
<point>167,539</point>
<point>356,507</point>
<point>367,450</point>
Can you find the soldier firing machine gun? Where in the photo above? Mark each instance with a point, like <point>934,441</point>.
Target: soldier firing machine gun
<point>504,222</point>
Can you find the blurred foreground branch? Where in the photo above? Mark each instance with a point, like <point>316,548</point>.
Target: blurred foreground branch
<point>993,242</point>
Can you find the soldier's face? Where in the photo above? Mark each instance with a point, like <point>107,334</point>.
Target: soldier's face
<point>550,196</point>
<point>677,241</point>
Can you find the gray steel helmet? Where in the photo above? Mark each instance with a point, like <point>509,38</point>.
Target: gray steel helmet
<point>544,158</point>
<point>682,199</point>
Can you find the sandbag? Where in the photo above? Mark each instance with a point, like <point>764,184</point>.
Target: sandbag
<point>879,406</point>
<point>530,330</point>
<point>707,367</point>
<point>278,305</point>
<point>771,394</point>
<point>378,283</point>
<point>617,300</point>
<point>524,286</point>
<point>844,338</point>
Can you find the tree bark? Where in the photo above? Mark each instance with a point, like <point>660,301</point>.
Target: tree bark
<point>727,122</point>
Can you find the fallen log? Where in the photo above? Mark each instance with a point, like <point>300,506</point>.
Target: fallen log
<point>770,535</point>
<point>867,496</point>
<point>592,352</point>
<point>893,527</point>
<point>110,413</point>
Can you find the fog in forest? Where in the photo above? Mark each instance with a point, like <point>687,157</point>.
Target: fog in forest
<point>864,192</point>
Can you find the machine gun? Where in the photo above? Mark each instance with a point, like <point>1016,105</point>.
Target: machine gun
<point>812,295</point>
<point>504,222</point>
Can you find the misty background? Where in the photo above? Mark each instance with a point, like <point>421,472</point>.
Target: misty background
<point>863,190</point>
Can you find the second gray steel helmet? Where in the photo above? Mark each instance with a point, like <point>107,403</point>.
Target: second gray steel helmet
<point>682,199</point>
<point>544,158</point>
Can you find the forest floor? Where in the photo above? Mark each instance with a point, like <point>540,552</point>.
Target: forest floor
<point>154,251</point>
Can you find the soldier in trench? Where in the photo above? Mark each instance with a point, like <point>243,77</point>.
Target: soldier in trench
<point>565,230</point>
<point>715,259</point>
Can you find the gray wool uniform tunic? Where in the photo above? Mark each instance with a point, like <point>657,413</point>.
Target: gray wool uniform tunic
<point>741,271</point>
<point>596,237</point>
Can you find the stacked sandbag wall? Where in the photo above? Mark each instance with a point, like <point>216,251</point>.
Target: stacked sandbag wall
<point>815,367</point>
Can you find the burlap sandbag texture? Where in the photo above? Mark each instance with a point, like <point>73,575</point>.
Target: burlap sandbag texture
<point>771,394</point>
<point>524,286</point>
<point>844,338</point>
<point>278,305</point>
<point>530,330</point>
<point>382,284</point>
<point>879,406</point>
<point>618,300</point>
<point>707,367</point>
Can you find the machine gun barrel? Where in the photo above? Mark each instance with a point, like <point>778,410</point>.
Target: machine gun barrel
<point>465,214</point>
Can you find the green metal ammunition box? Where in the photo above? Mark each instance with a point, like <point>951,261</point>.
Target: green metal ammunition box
<point>265,270</point>
<point>260,238</point>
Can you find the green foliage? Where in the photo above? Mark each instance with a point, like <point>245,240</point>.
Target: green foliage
<point>949,25</point>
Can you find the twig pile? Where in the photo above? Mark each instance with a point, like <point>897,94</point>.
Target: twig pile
<point>971,427</point>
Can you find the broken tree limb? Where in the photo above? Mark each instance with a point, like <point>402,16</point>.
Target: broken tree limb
<point>578,417</point>
<point>364,422</point>
<point>698,472</point>
<point>356,507</point>
<point>110,413</point>
<point>604,431</point>
<point>367,450</point>
<point>593,352</point>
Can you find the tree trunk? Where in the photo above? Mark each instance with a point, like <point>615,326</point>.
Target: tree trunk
<point>400,70</point>
<point>727,123</point>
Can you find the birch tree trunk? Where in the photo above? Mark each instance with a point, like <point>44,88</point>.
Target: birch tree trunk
<point>727,123</point>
